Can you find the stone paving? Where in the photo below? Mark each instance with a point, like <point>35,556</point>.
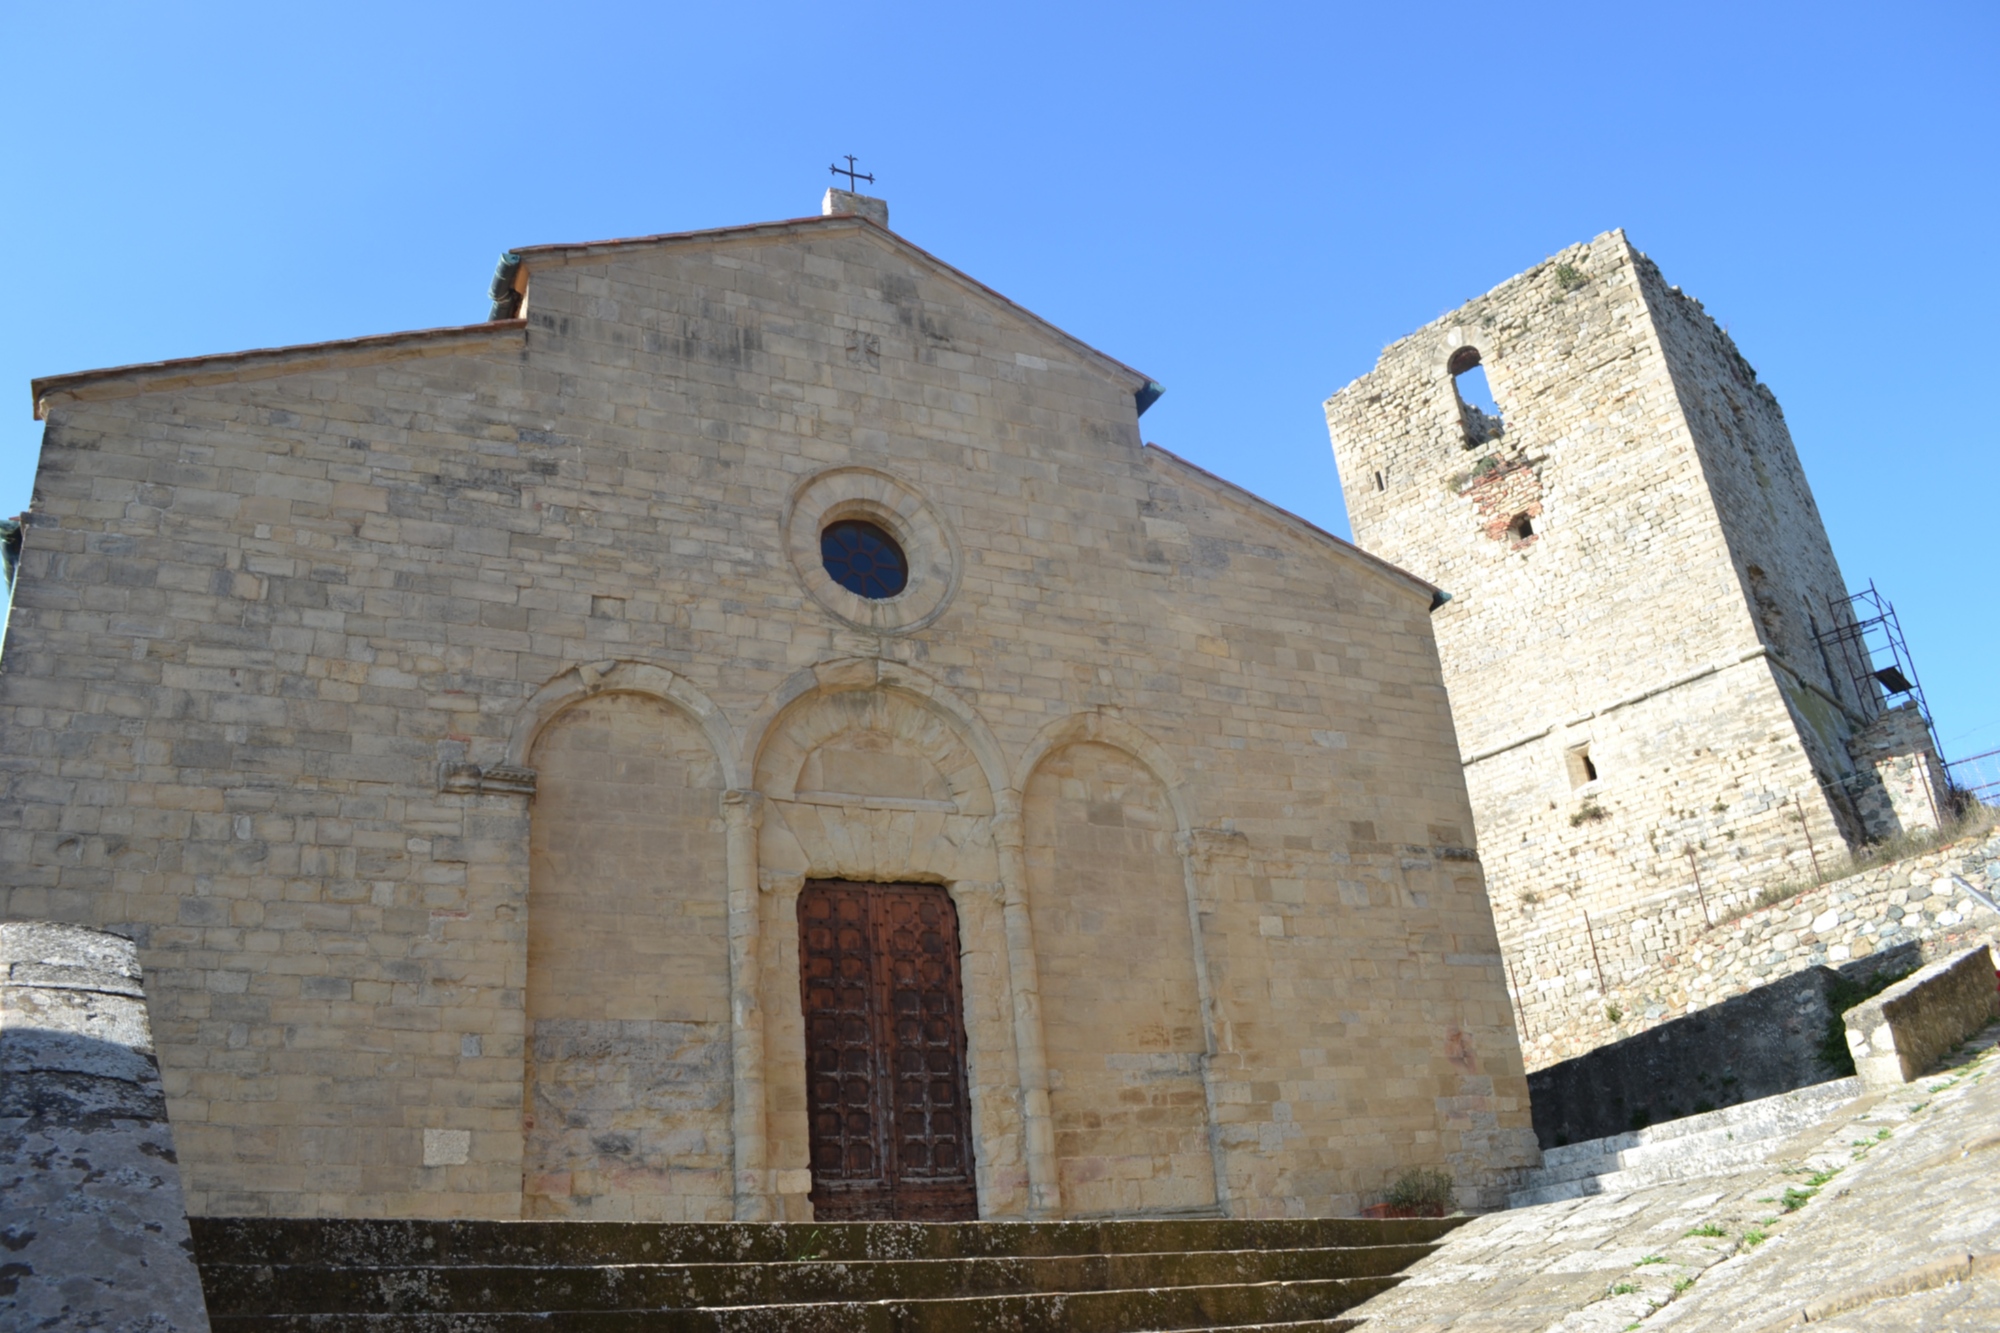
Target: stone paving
<point>1885,1216</point>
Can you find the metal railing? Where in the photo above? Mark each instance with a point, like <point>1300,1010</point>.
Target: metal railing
<point>1977,776</point>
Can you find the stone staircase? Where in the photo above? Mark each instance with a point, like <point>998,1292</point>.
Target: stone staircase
<point>290,1275</point>
<point>1709,1144</point>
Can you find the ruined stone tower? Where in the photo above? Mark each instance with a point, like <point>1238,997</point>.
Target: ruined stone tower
<point>1639,582</point>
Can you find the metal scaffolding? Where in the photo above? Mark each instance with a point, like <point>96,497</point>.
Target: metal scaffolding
<point>1865,642</point>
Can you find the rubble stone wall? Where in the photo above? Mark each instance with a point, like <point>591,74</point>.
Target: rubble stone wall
<point>1661,960</point>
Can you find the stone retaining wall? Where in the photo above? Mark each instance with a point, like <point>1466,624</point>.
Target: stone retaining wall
<point>1661,959</point>
<point>1750,1046</point>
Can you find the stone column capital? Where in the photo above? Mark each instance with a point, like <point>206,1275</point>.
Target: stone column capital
<point>781,882</point>
<point>744,805</point>
<point>1199,847</point>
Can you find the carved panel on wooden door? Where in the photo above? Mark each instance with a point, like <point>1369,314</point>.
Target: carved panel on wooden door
<point>891,1124</point>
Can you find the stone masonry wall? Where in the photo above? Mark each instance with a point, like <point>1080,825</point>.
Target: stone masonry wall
<point>288,628</point>
<point>1660,960</point>
<point>1620,704</point>
<point>1777,543</point>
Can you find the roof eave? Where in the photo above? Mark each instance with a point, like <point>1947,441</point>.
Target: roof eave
<point>567,252</point>
<point>1286,518</point>
<point>220,366</point>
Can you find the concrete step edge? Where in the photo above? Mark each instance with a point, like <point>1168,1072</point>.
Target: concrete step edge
<point>960,1309</point>
<point>303,1289</point>
<point>1675,1149</point>
<point>1822,1096</point>
<point>1655,1173</point>
<point>829,1262</point>
<point>343,1241</point>
<point>1336,1324</point>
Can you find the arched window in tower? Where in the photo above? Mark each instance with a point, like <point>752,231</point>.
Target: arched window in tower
<point>1477,412</point>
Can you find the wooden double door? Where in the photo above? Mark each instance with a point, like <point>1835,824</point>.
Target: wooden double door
<point>890,1120</point>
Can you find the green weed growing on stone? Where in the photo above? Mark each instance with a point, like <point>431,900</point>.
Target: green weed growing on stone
<point>1818,1178</point>
<point>1613,1013</point>
<point>1707,1229</point>
<point>1754,1237</point>
<point>1682,1284</point>
<point>1622,1289</point>
<point>1796,1199</point>
<point>1651,1259</point>
<point>1421,1188</point>
<point>1479,471</point>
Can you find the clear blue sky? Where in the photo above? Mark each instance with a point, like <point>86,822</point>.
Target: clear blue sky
<point>1247,201</point>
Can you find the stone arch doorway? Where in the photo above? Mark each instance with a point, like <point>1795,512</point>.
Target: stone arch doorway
<point>888,1104</point>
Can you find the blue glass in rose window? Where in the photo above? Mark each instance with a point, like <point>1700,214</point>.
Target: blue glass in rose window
<point>864,559</point>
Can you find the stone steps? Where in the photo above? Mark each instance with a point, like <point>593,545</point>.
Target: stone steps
<point>1694,1146</point>
<point>333,1276</point>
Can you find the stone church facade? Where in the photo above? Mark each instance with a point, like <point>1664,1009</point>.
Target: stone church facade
<point>1642,601</point>
<point>530,800</point>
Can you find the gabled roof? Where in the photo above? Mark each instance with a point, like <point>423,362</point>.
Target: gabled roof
<point>1285,518</point>
<point>581,251</point>
<point>278,360</point>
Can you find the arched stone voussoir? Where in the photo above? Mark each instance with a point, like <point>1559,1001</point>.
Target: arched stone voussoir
<point>1106,729</point>
<point>845,675</point>
<point>587,680</point>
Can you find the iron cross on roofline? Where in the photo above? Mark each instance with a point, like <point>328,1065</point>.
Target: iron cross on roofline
<point>851,174</point>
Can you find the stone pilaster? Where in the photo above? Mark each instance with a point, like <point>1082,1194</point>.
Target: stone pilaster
<point>1038,1128</point>
<point>743,812</point>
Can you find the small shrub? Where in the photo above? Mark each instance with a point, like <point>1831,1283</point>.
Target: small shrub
<point>1421,1188</point>
<point>1976,820</point>
<point>1588,813</point>
<point>1613,1013</point>
<point>1479,471</point>
<point>1530,898</point>
<point>1569,278</point>
<point>1777,893</point>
